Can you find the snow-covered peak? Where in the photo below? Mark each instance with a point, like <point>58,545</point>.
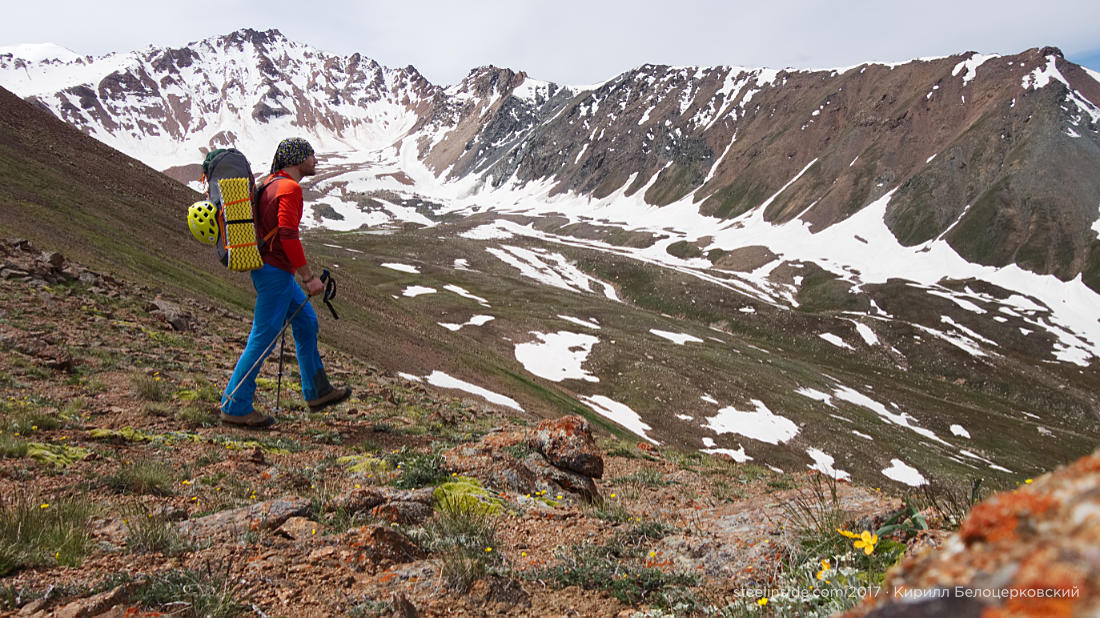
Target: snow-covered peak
<point>39,52</point>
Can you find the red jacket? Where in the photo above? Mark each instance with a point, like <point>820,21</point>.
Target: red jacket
<point>281,206</point>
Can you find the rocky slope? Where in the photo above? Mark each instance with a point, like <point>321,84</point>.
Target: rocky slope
<point>110,431</point>
<point>328,512</point>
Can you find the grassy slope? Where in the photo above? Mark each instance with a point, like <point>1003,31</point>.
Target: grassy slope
<point>65,191</point>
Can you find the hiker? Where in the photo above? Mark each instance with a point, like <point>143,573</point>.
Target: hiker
<point>278,296</point>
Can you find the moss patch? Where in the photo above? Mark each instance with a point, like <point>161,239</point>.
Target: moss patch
<point>465,494</point>
<point>365,464</point>
<point>60,455</point>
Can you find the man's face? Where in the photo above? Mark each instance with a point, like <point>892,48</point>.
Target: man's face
<point>309,166</point>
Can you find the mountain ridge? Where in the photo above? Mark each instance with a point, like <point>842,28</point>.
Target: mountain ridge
<point>724,137</point>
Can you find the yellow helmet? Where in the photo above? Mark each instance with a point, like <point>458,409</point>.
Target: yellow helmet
<point>201,220</point>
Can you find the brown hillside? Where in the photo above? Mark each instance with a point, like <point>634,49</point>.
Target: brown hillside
<point>68,192</point>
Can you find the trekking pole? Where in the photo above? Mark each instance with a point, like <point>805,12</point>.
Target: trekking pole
<point>267,350</point>
<point>279,384</point>
<point>330,293</point>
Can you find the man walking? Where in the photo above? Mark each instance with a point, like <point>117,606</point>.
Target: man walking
<point>278,297</point>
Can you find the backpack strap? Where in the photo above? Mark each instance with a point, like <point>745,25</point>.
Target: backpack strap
<point>259,193</point>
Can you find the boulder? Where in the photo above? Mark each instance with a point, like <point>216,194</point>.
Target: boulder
<point>301,528</point>
<point>403,512</point>
<point>1028,552</point>
<point>567,480</point>
<point>96,604</point>
<point>567,443</point>
<point>269,515</point>
<point>171,313</point>
<point>380,545</point>
<point>557,456</point>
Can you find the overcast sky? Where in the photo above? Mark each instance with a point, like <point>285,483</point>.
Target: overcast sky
<point>580,41</point>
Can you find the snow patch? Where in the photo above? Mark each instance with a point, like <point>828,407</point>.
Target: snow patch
<point>477,320</point>
<point>835,340</point>
<point>823,462</point>
<point>405,268</point>
<point>593,325</point>
<point>960,431</point>
<point>621,414</point>
<point>677,338</point>
<point>817,395</point>
<point>971,65</point>
<point>463,293</point>
<point>489,231</point>
<point>904,473</point>
<point>557,356</point>
<point>739,455</point>
<point>761,424</point>
<point>868,335</point>
<point>417,290</point>
<point>442,380</point>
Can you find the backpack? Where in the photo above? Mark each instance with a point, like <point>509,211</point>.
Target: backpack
<point>231,187</point>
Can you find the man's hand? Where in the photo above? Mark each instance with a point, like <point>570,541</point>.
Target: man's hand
<point>314,286</point>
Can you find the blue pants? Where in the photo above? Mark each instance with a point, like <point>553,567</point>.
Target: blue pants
<point>278,296</point>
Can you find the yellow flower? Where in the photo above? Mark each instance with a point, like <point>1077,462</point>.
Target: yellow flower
<point>523,553</point>
<point>612,495</point>
<point>762,601</point>
<point>866,542</point>
<point>825,567</point>
<point>44,506</point>
<point>1028,481</point>
<point>488,549</point>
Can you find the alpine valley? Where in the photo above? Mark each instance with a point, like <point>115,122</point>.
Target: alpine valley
<point>883,272</point>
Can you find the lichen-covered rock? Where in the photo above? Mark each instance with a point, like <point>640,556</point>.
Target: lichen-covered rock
<point>379,545</point>
<point>359,500</point>
<point>1029,552</point>
<point>44,347</point>
<point>267,515</point>
<point>402,512</point>
<point>171,313</point>
<point>510,461</point>
<point>567,443</point>
<point>301,528</point>
<point>97,604</point>
<point>571,482</point>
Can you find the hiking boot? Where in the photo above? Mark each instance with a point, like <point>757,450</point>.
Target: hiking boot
<point>252,420</point>
<point>333,396</point>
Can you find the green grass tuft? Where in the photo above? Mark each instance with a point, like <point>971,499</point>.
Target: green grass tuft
<point>209,593</point>
<point>37,532</point>
<point>141,477</point>
<point>150,388</point>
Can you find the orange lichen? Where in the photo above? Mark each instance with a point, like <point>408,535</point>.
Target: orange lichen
<point>997,519</point>
<point>1026,607</point>
<point>1085,465</point>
